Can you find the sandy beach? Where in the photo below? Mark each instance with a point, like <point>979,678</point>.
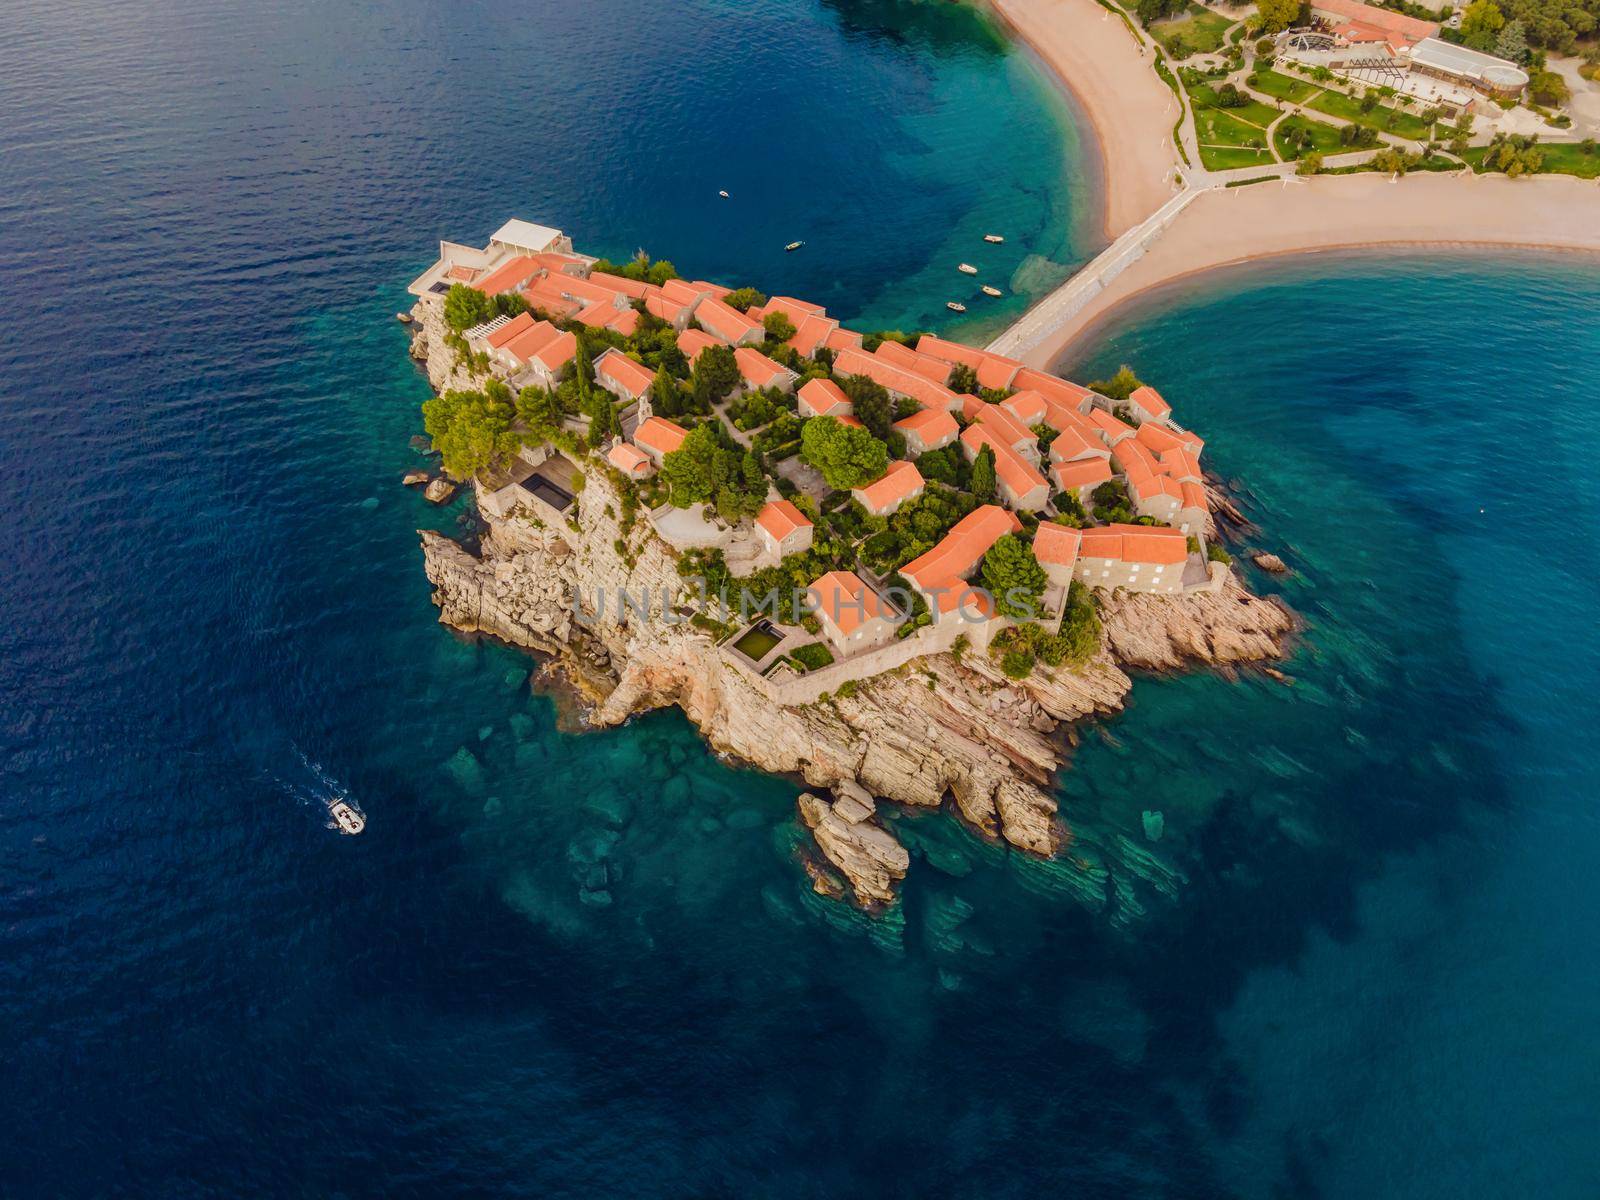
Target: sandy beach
<point>1097,60</point>
<point>1237,225</point>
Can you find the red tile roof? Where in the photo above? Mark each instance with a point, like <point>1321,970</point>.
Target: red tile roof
<point>931,426</point>
<point>1070,446</point>
<point>1004,425</point>
<point>1407,29</point>
<point>660,435</point>
<point>847,602</point>
<point>509,275</point>
<point>1148,401</point>
<point>1027,407</point>
<point>520,323</point>
<point>758,370</point>
<point>692,341</point>
<point>1056,545</point>
<point>724,320</point>
<point>958,554</point>
<point>909,360</point>
<point>628,460</point>
<point>634,289</point>
<point>633,378</point>
<point>1069,476</point>
<point>1018,475</point>
<point>897,379</point>
<point>993,370</point>
<point>1135,543</point>
<point>899,482</point>
<point>796,310</point>
<point>1111,429</point>
<point>780,518</point>
<point>822,398</point>
<point>842,339</point>
<point>811,333</point>
<point>543,343</point>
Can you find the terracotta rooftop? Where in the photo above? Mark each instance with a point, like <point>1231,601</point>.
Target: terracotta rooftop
<point>633,378</point>
<point>924,391</point>
<point>899,482</point>
<point>758,370</point>
<point>1080,473</point>
<point>724,320</point>
<point>628,460</point>
<point>509,275</point>
<point>660,435</point>
<point>908,359</point>
<point>780,518</point>
<point>822,398</point>
<point>931,425</point>
<point>1056,545</point>
<point>692,341</point>
<point>1017,473</point>
<point>811,333</point>
<point>959,552</point>
<point>1135,543</point>
<point>847,602</point>
<point>1147,400</point>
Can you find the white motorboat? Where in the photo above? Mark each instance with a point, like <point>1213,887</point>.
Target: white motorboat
<point>348,819</point>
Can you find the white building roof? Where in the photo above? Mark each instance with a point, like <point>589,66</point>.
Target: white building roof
<point>525,235</point>
<point>1468,64</point>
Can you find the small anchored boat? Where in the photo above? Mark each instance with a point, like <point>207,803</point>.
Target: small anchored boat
<point>953,306</point>
<point>993,238</point>
<point>724,195</point>
<point>966,268</point>
<point>991,291</point>
<point>793,246</point>
<point>348,819</point>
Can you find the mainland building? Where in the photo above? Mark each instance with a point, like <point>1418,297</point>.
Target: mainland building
<point>1383,48</point>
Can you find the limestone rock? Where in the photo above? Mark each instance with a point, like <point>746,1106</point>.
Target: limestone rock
<point>1227,626</point>
<point>867,855</point>
<point>439,490</point>
<point>412,478</point>
<point>1269,562</point>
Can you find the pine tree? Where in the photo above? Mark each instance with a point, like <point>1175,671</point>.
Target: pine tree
<point>983,479</point>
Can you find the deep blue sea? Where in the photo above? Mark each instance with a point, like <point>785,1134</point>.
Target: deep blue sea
<point>1358,963</point>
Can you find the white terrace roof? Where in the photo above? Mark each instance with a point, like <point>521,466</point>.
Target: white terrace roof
<point>1469,64</point>
<point>525,235</point>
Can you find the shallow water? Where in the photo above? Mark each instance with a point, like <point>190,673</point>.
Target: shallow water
<point>559,964</point>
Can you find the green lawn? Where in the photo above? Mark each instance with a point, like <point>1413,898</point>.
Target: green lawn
<point>1324,138</point>
<point>1225,159</point>
<point>1254,112</point>
<point>1199,30</point>
<point>1215,127</point>
<point>1383,118</point>
<point>1281,87</point>
<point>1559,159</point>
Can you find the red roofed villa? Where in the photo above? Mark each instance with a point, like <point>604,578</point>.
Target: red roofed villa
<point>899,483</point>
<point>853,616</point>
<point>658,437</point>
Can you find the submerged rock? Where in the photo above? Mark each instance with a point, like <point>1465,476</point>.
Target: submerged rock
<point>1154,824</point>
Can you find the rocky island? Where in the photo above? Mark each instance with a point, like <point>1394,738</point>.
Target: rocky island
<point>952,557</point>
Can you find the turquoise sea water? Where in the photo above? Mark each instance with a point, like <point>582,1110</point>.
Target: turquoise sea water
<point>1355,964</point>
